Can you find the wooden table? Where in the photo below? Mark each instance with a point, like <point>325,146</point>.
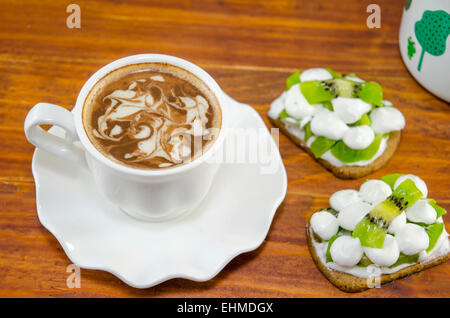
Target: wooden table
<point>249,48</point>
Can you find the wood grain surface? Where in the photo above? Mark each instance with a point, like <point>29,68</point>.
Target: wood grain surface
<point>249,47</point>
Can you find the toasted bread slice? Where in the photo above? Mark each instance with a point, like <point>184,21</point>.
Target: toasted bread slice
<point>351,284</point>
<point>347,172</point>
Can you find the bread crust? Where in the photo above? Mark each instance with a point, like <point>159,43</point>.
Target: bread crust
<point>347,172</point>
<point>352,284</point>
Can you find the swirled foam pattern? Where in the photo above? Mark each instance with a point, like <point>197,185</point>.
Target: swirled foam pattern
<point>151,116</point>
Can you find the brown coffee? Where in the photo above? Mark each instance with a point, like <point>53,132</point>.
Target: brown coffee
<point>151,116</point>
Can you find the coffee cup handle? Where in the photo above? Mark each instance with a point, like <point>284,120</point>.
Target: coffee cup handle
<point>42,114</point>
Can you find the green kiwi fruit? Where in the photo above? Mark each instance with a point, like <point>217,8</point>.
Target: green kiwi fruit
<point>330,242</point>
<point>333,73</point>
<point>371,93</point>
<point>364,120</point>
<point>365,261</point>
<point>316,92</point>
<point>308,132</point>
<point>372,229</point>
<point>348,155</point>
<point>405,259</point>
<point>434,231</point>
<point>284,114</point>
<point>321,145</point>
<point>391,178</point>
<point>293,79</point>
<point>344,87</point>
<point>328,105</point>
<point>440,211</point>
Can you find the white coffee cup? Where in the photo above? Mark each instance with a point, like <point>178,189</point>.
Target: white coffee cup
<point>150,195</point>
<point>425,51</point>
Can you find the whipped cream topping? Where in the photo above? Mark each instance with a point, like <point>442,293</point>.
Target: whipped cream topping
<point>421,212</point>
<point>407,238</point>
<point>374,191</point>
<point>336,124</point>
<point>359,137</point>
<point>327,124</point>
<point>387,119</point>
<point>349,110</point>
<point>315,74</point>
<point>385,256</point>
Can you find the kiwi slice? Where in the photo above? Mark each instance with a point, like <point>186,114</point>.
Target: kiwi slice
<point>308,132</point>
<point>341,232</point>
<point>284,114</point>
<point>407,193</point>
<point>364,120</point>
<point>316,92</point>
<point>348,155</point>
<point>364,262</point>
<point>434,231</point>
<point>370,233</point>
<point>293,79</point>
<point>371,93</point>
<point>372,229</point>
<point>321,145</point>
<point>345,88</point>
<point>330,242</point>
<point>391,178</point>
<point>405,259</point>
<point>328,105</point>
<point>440,211</point>
<point>334,74</point>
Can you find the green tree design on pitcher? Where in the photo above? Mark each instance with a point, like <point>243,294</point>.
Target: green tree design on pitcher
<point>407,4</point>
<point>432,32</point>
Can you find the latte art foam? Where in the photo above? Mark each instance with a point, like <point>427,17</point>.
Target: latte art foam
<point>156,116</point>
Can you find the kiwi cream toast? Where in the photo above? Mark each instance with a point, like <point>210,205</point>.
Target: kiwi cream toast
<point>387,230</point>
<point>340,120</point>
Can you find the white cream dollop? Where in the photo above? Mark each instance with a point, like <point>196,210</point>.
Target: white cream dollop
<point>420,184</point>
<point>398,223</point>
<point>315,74</point>
<point>346,251</point>
<point>387,119</point>
<point>277,106</point>
<point>293,128</point>
<point>359,137</point>
<point>412,239</point>
<point>349,109</point>
<point>296,104</point>
<point>385,256</point>
<point>324,224</point>
<point>354,78</point>
<point>350,215</point>
<point>374,191</point>
<point>442,247</point>
<point>421,212</point>
<point>342,198</point>
<point>328,124</point>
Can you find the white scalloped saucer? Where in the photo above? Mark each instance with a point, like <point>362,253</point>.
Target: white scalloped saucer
<point>234,218</point>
